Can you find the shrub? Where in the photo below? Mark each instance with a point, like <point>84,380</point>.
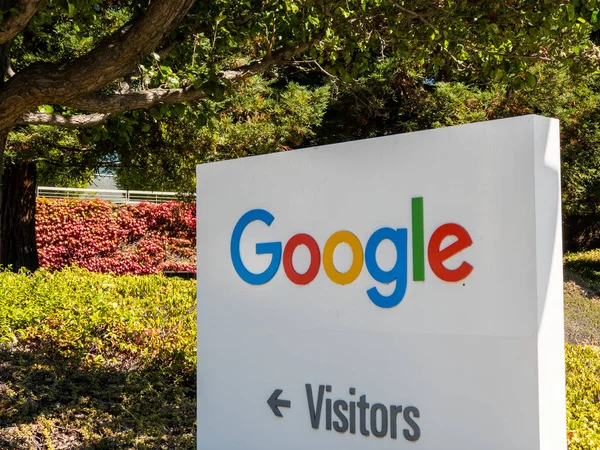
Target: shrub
<point>128,239</point>
<point>583,397</point>
<point>97,361</point>
<point>102,320</point>
<point>586,264</point>
<point>145,326</point>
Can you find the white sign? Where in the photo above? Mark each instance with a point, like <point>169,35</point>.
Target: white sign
<point>397,292</point>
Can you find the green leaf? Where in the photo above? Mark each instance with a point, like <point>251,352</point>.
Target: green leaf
<point>518,83</point>
<point>179,110</point>
<point>145,128</point>
<point>498,75</point>
<point>71,7</point>
<point>201,121</point>
<point>46,109</point>
<point>571,11</point>
<point>219,93</point>
<point>155,113</point>
<point>173,82</point>
<point>531,80</point>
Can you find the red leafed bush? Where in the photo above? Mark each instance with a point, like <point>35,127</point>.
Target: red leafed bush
<point>124,239</point>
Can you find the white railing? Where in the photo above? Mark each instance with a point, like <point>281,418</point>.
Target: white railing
<point>113,195</point>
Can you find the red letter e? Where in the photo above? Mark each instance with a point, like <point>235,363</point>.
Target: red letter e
<point>437,256</point>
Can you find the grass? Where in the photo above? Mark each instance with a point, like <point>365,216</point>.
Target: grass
<point>92,361</point>
<point>582,311</point>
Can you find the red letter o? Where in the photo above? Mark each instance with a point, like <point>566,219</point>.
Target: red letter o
<point>315,259</point>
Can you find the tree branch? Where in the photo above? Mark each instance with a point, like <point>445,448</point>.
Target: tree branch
<point>314,62</point>
<point>415,14</point>
<point>103,105</point>
<point>114,103</point>
<point>277,58</point>
<point>114,57</point>
<point>77,121</point>
<point>15,24</point>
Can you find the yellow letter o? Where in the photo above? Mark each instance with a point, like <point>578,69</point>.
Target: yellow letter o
<point>357,257</point>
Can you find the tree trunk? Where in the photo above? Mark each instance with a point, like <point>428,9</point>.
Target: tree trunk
<point>3,139</point>
<point>17,216</point>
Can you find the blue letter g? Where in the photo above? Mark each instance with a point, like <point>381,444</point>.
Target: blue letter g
<point>272,248</point>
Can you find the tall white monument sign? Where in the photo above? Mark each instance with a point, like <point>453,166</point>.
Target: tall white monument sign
<point>392,293</point>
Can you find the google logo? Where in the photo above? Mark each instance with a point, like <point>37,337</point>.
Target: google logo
<point>436,255</point>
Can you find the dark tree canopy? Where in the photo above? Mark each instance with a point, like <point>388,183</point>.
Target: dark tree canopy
<point>89,59</point>
<point>78,63</point>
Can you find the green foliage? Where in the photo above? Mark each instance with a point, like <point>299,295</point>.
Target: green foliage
<point>388,100</point>
<point>259,118</point>
<point>442,42</point>
<point>102,320</point>
<point>114,359</point>
<point>586,264</point>
<point>97,361</point>
<point>397,97</point>
<point>583,397</point>
<point>263,120</point>
<point>456,104</point>
<point>582,327</point>
<point>63,157</point>
<point>65,30</point>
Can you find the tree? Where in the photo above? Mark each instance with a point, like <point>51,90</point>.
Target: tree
<point>62,156</point>
<point>108,57</point>
<point>395,98</point>
<point>259,118</point>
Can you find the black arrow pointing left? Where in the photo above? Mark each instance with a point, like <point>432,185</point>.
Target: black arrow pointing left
<point>275,403</point>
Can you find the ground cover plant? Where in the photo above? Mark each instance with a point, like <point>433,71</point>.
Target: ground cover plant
<point>123,239</point>
<point>96,361</point>
<point>582,354</point>
<point>101,361</point>
<point>586,264</point>
<point>583,396</point>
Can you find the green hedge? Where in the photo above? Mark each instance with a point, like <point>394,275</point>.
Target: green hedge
<point>583,397</point>
<point>101,319</point>
<point>585,264</point>
<point>97,361</point>
<point>101,326</point>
